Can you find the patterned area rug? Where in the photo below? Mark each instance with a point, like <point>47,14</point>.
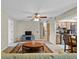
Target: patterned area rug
<point>18,49</point>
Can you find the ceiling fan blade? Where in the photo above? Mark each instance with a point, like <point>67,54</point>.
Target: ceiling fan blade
<point>29,16</point>
<point>43,16</point>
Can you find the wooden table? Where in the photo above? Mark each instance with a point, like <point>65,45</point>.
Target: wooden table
<point>32,45</point>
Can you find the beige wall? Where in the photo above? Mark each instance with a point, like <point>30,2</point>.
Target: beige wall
<point>21,26</point>
<point>4,30</point>
<point>53,31</point>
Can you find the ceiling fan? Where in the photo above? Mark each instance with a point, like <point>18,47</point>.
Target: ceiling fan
<point>37,17</point>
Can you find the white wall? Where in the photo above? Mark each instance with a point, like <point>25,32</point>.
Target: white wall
<point>21,26</point>
<point>4,30</point>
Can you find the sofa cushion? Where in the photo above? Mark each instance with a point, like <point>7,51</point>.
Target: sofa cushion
<point>39,56</point>
<point>6,56</point>
<point>33,56</point>
<point>65,56</point>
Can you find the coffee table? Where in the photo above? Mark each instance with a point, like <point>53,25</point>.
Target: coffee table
<point>33,46</point>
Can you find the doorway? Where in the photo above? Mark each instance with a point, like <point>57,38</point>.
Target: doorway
<point>45,31</point>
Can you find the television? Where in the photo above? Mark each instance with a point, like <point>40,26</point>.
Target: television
<point>28,33</point>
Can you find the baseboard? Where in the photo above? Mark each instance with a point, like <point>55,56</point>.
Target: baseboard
<point>4,48</point>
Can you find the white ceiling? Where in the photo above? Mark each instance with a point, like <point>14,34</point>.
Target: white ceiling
<point>21,9</point>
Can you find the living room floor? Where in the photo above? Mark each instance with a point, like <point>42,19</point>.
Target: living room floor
<point>48,48</point>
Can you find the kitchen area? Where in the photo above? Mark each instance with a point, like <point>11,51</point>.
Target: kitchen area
<point>70,28</point>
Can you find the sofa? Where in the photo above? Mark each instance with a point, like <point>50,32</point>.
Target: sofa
<point>39,56</point>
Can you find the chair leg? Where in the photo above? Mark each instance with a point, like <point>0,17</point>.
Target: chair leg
<point>65,48</point>
<point>71,49</point>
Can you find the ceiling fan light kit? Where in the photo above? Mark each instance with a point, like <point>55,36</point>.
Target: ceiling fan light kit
<point>36,19</point>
